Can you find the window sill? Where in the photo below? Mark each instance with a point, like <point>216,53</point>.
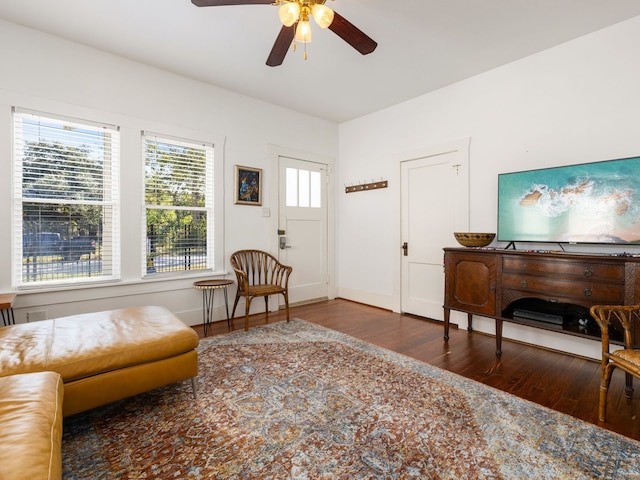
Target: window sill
<point>50,295</point>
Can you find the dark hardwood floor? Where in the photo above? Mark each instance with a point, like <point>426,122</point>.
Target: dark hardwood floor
<point>555,380</point>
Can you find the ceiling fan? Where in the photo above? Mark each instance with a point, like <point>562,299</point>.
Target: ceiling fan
<point>294,15</point>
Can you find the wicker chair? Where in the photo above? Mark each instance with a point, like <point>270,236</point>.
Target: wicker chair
<point>627,359</point>
<point>259,274</point>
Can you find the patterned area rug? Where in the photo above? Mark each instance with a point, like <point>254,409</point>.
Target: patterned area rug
<point>298,401</point>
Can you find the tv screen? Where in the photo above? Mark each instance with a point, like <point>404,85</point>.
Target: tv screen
<point>586,203</point>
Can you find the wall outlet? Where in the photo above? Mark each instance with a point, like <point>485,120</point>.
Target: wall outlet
<point>36,316</point>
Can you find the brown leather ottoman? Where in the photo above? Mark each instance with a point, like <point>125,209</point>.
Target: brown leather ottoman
<point>31,426</point>
<point>103,356</point>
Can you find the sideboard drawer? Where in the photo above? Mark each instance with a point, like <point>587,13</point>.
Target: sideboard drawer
<point>550,289</point>
<point>612,273</point>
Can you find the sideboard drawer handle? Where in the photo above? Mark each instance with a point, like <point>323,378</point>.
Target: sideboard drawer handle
<point>588,273</point>
<point>524,284</point>
<point>587,292</point>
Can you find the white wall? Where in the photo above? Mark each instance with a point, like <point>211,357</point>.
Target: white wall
<point>575,103</point>
<point>49,74</point>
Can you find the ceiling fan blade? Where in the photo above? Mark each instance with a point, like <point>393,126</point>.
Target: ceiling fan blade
<point>218,3</point>
<point>352,34</point>
<point>281,46</point>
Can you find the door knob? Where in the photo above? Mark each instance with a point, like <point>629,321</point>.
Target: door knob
<point>405,247</point>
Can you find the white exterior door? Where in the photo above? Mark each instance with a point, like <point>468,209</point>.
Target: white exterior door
<point>302,227</point>
<point>434,204</point>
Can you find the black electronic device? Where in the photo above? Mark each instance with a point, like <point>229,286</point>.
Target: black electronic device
<point>538,316</point>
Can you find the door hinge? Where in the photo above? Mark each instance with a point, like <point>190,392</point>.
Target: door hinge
<point>327,172</point>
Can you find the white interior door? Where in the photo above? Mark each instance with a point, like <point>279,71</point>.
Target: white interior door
<point>434,204</point>
<point>302,227</point>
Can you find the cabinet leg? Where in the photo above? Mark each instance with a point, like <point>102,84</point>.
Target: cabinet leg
<point>469,322</point>
<point>447,312</point>
<point>498,338</point>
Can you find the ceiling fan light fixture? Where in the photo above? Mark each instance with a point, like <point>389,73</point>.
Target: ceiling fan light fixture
<point>303,32</point>
<point>322,14</point>
<point>289,13</point>
<point>294,16</point>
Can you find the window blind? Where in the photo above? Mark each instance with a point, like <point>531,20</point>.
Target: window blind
<point>178,204</point>
<point>66,199</point>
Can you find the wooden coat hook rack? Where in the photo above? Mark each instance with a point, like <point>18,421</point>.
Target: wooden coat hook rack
<point>366,186</point>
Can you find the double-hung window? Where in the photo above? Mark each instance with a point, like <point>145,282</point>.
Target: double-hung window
<point>66,200</point>
<point>179,215</point>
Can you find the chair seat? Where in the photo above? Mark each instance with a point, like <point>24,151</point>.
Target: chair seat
<point>631,357</point>
<point>261,290</point>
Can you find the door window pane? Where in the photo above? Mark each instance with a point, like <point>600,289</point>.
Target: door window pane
<point>291,187</point>
<point>303,188</point>
<point>316,190</point>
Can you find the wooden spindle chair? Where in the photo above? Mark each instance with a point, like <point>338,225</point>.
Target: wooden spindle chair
<point>259,274</point>
<point>626,359</point>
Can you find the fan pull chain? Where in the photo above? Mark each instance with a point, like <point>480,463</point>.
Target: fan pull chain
<point>295,46</point>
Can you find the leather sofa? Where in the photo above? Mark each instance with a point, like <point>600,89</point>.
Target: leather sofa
<point>31,426</point>
<point>99,357</point>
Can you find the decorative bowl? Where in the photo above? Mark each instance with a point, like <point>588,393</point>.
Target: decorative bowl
<point>472,239</point>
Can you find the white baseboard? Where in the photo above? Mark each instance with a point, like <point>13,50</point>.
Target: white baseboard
<point>368,298</point>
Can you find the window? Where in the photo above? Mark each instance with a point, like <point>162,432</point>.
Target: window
<point>65,200</point>
<point>179,205</point>
<point>303,188</point>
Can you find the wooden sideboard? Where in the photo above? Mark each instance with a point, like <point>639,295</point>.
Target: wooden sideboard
<point>495,283</point>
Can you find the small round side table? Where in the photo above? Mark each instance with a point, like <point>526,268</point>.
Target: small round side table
<point>208,288</point>
<point>6,305</point>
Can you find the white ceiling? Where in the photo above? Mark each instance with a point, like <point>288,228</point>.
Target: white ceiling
<point>422,44</point>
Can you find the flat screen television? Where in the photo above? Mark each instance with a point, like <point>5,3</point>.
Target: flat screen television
<point>587,203</point>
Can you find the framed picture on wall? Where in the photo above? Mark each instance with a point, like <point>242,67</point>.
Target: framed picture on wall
<point>248,186</point>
